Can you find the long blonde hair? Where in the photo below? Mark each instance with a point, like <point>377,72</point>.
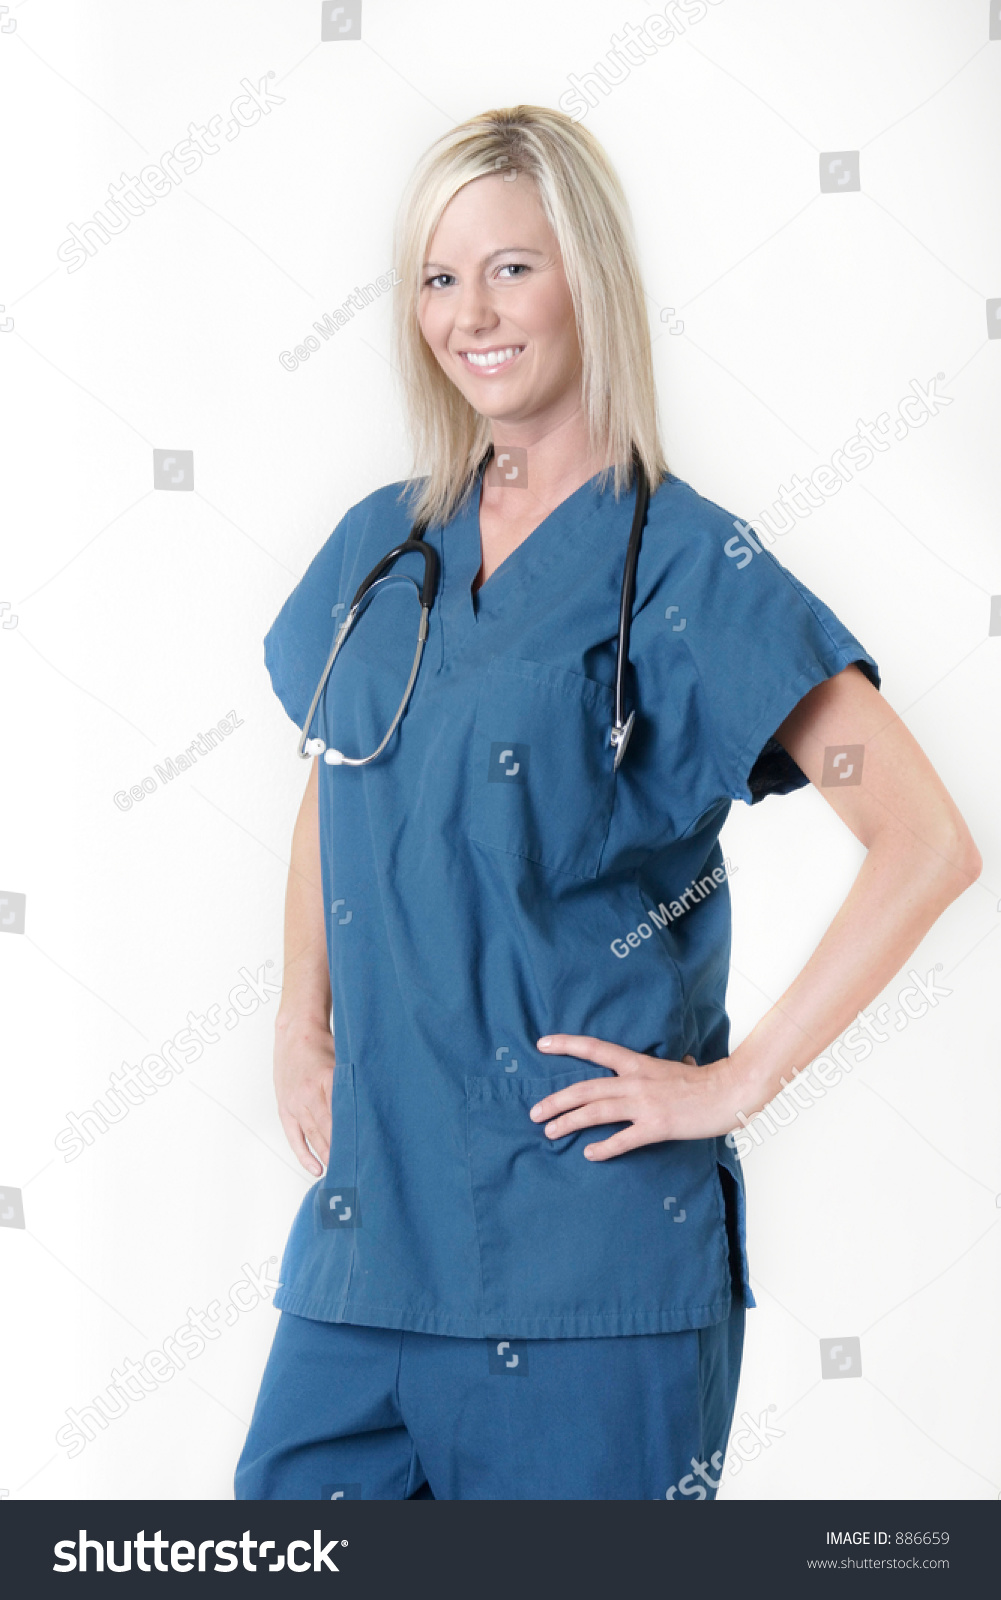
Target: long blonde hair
<point>587,211</point>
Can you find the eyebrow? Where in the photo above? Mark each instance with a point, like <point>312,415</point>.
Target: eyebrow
<point>506,250</point>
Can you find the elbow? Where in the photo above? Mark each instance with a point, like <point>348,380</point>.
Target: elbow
<point>962,849</point>
<point>972,864</point>
<point>962,862</point>
<point>938,863</point>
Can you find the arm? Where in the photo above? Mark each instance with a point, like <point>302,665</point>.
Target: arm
<point>304,1045</point>
<point>920,857</point>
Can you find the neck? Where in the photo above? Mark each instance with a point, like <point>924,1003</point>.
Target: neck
<point>559,459</point>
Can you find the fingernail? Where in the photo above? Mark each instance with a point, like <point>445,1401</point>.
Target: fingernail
<point>535,1114</point>
<point>545,1043</point>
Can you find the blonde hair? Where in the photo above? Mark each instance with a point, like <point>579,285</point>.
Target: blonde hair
<point>587,211</point>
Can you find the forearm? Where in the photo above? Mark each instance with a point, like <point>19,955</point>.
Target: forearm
<point>305,1000</point>
<point>899,894</point>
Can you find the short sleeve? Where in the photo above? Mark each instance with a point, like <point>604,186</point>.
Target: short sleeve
<point>298,642</point>
<point>758,640</point>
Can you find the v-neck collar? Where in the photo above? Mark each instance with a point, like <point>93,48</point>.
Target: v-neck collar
<point>554,538</point>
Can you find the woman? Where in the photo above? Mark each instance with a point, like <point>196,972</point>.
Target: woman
<point>522,1275</point>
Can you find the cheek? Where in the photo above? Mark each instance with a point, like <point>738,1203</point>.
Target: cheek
<point>432,325</point>
<point>551,319</point>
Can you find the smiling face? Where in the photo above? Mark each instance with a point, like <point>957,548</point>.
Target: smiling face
<point>495,306</point>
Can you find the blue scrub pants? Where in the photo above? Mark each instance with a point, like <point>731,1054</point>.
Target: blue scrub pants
<point>379,1414</point>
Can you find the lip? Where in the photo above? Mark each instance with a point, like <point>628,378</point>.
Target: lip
<point>489,372</point>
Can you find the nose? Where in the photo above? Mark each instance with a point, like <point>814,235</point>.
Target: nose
<point>475,314</point>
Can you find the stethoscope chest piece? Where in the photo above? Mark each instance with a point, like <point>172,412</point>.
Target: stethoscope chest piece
<point>620,738</point>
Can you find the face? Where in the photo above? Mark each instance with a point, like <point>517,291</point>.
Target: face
<point>495,307</point>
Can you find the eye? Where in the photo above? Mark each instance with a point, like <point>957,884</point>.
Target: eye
<point>437,279</point>
<point>515,266</point>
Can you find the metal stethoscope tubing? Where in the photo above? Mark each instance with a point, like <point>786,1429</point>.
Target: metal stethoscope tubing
<point>310,747</point>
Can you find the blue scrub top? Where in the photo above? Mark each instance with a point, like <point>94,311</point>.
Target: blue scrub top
<point>481,879</point>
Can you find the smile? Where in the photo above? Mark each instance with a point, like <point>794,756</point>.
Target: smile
<point>490,361</point>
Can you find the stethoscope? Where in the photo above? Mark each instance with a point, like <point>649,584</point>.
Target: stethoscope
<point>620,730</point>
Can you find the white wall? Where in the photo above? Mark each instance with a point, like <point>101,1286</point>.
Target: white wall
<point>140,615</point>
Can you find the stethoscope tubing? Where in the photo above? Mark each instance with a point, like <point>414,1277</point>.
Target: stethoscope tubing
<point>621,729</point>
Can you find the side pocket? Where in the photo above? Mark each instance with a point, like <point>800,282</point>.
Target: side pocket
<point>319,1255</point>
<point>563,1237</point>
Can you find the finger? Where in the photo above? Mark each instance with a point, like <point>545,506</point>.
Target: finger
<point>317,1131</point>
<point>317,1112</point>
<point>300,1149</point>
<point>689,1061</point>
<point>615,1145</point>
<point>601,1051</point>
<point>575,1094</point>
<point>589,1116</point>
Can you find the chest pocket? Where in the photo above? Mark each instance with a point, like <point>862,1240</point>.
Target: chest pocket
<point>541,780</point>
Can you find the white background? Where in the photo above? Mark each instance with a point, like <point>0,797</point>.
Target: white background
<point>140,615</point>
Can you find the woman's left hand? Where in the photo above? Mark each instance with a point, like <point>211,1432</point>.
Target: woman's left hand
<point>662,1099</point>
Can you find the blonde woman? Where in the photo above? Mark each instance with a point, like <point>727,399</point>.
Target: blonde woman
<point>522,1274</point>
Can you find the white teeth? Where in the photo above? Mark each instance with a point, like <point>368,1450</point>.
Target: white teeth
<point>492,358</point>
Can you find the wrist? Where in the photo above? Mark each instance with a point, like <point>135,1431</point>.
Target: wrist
<point>753,1078</point>
<point>302,1016</point>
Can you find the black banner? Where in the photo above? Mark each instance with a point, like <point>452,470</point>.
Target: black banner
<point>508,1549</point>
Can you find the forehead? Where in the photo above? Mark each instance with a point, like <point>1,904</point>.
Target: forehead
<point>490,214</point>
